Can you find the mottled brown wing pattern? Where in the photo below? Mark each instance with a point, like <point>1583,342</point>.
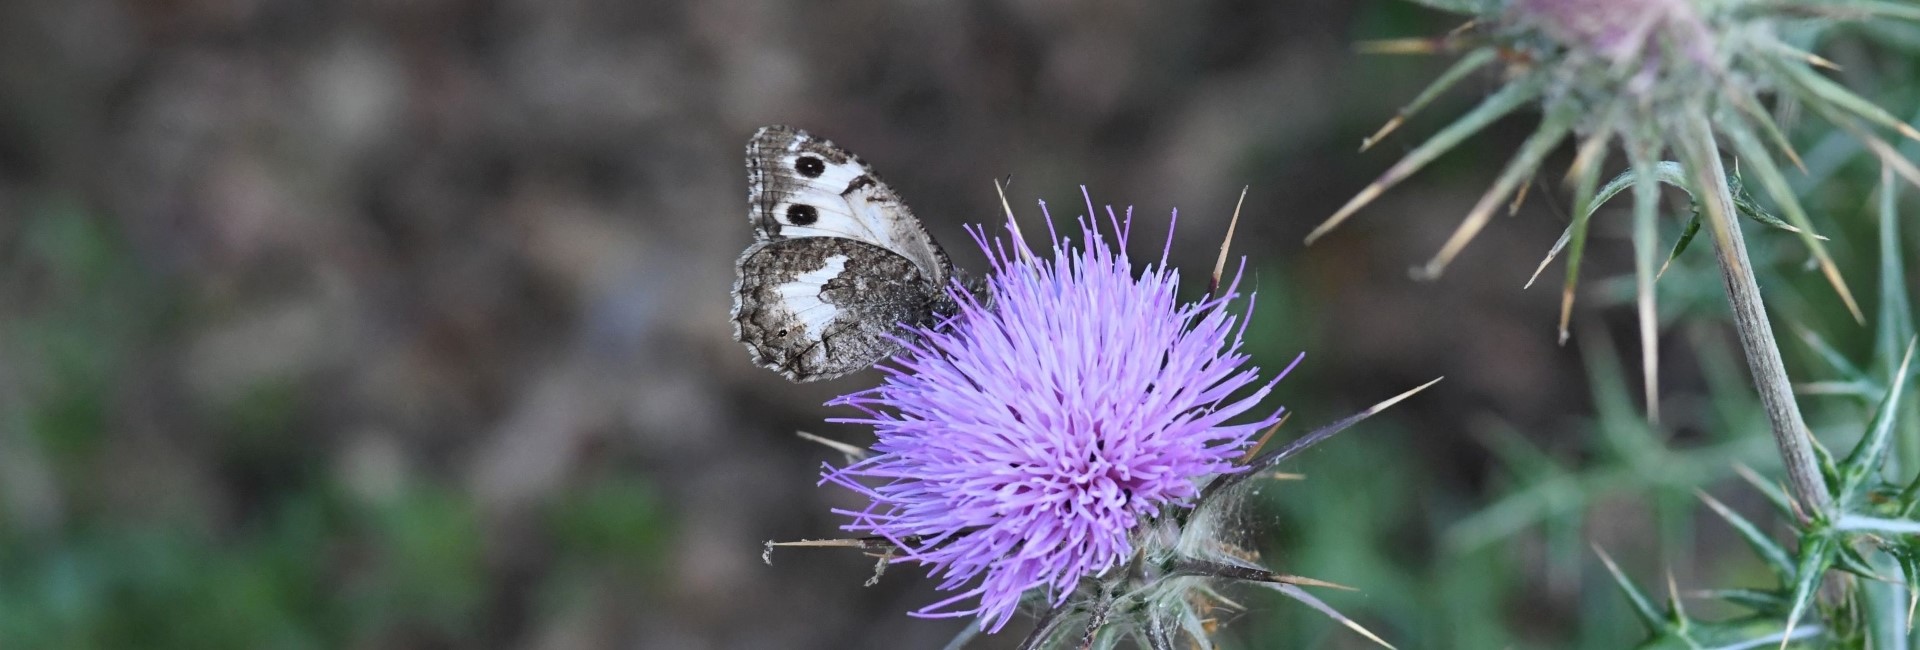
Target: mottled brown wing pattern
<point>818,307</point>
<point>838,262</point>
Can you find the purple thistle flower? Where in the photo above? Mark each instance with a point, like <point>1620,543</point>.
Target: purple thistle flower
<point>1025,439</point>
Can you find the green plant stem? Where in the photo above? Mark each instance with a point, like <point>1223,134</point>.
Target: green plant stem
<point>1750,322</point>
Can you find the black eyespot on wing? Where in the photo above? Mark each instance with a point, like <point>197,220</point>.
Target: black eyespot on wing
<point>802,215</point>
<point>810,166</point>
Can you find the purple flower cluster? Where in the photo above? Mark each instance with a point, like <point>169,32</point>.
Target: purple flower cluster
<point>1023,441</point>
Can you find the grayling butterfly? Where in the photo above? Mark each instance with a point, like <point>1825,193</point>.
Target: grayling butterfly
<point>837,265</point>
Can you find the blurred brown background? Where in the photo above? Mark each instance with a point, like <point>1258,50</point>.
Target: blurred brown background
<point>404,324</point>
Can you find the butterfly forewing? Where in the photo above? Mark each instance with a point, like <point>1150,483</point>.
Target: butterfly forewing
<point>802,186</point>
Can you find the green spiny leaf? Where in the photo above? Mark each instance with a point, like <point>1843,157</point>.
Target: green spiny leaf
<point>1516,452</point>
<point>1775,555</point>
<point>1744,204</point>
<point>1679,246</point>
<point>1829,471</point>
<point>1765,602</point>
<point>1865,460</point>
<point>1832,356</point>
<point>1881,525</point>
<point>1895,316</point>
<point>1816,555</point>
<point>1909,560</point>
<point>1630,438</point>
<point>1643,606</point>
<point>1849,559</point>
<point>1772,492</point>
<point>1907,497</point>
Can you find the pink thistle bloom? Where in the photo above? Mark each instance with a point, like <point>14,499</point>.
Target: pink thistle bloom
<point>1024,440</point>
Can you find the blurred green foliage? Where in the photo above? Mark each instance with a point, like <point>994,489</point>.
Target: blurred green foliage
<point>1437,573</point>
<point>307,563</point>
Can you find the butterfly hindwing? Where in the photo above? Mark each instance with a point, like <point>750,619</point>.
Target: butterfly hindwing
<point>816,308</point>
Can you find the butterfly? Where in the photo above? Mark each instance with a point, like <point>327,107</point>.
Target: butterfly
<point>838,263</point>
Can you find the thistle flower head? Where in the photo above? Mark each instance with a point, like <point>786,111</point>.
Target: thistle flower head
<point>1685,79</point>
<point>1621,31</point>
<point>1026,441</point>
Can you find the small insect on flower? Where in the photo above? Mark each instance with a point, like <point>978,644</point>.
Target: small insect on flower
<point>1022,443</point>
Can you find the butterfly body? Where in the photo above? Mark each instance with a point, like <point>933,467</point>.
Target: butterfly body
<point>838,262</point>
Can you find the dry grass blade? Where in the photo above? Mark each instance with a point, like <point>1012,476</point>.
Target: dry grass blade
<point>1505,101</point>
<point>1519,199</point>
<point>1301,595</point>
<point>1220,263</point>
<point>1803,55</point>
<point>1585,179</point>
<point>1673,596</point>
<point>1309,582</point>
<point>1264,437</point>
<point>1264,462</point>
<point>1211,569</point>
<point>849,450</point>
<point>1459,70</point>
<point>1554,251</point>
<point>1890,157</point>
<point>1309,440</point>
<point>1420,45</point>
<point>1536,147</point>
<point>1020,240</point>
<point>1751,108</point>
<point>1646,206</point>
<point>1592,150</point>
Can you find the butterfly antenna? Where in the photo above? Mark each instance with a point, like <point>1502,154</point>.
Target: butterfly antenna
<point>1012,223</point>
<point>1220,264</point>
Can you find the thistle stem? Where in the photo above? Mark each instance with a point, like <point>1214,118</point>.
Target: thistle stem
<point>1750,322</point>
